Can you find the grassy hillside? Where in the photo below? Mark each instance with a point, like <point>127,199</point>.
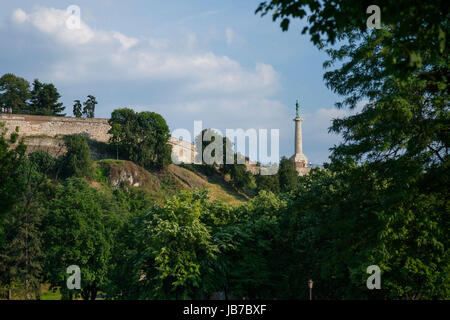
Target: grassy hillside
<point>119,173</point>
<point>159,185</point>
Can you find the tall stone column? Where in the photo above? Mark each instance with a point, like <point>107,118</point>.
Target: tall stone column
<point>298,136</point>
<point>299,158</point>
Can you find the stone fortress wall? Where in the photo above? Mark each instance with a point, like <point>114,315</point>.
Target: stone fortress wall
<point>42,131</point>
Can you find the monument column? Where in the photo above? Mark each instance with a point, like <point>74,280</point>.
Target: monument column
<point>298,136</point>
<point>299,158</point>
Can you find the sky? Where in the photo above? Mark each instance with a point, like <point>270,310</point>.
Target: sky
<point>209,60</point>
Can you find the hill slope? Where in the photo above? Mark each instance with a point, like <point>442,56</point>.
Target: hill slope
<point>159,185</point>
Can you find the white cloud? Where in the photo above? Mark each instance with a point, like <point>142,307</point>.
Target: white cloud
<point>232,37</point>
<point>125,41</point>
<point>153,59</point>
<point>19,16</point>
<point>52,22</point>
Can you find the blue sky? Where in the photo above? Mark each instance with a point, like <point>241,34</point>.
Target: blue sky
<point>214,61</point>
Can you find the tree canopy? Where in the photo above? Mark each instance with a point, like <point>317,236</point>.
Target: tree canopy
<point>141,137</point>
<point>44,100</point>
<point>14,92</point>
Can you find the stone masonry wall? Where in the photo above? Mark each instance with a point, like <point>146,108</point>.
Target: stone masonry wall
<point>29,125</point>
<point>43,129</point>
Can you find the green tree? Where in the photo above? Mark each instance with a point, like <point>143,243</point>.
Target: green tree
<point>251,251</point>
<point>174,249</point>
<point>79,230</point>
<point>14,93</point>
<point>77,109</point>
<point>268,183</point>
<point>287,175</point>
<point>12,153</point>
<point>89,106</point>
<point>44,100</point>
<point>238,172</point>
<point>395,151</point>
<point>141,137</point>
<point>207,139</point>
<point>21,254</point>
<point>77,161</point>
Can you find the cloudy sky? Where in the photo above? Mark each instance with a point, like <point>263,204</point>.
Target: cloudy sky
<point>209,60</point>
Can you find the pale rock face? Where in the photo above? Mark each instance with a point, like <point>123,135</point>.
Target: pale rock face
<point>125,178</point>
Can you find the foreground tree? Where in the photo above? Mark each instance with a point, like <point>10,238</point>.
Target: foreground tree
<point>395,151</point>
<point>21,251</point>
<point>252,251</point>
<point>174,249</point>
<point>79,230</point>
<point>12,154</point>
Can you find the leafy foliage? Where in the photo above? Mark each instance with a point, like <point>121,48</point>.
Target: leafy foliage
<point>14,92</point>
<point>268,183</point>
<point>89,106</point>
<point>44,100</point>
<point>21,249</point>
<point>174,249</point>
<point>79,230</point>
<point>77,161</point>
<point>228,161</point>
<point>287,175</point>
<point>141,137</point>
<point>386,188</point>
<point>77,109</point>
<point>11,157</point>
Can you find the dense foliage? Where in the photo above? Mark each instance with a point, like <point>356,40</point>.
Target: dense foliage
<point>141,137</point>
<point>217,152</point>
<point>79,230</point>
<point>77,161</point>
<point>391,171</point>
<point>42,99</point>
<point>14,92</point>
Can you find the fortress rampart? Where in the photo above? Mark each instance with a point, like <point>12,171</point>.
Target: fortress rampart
<point>41,130</point>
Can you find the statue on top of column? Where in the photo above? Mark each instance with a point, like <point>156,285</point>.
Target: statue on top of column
<point>297,107</point>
